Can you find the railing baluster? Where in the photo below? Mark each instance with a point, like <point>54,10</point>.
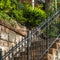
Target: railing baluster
<point>19,48</point>
<point>28,47</point>
<point>47,34</point>
<point>5,53</point>
<point>9,57</point>
<point>16,49</point>
<point>0,54</point>
<point>12,53</point>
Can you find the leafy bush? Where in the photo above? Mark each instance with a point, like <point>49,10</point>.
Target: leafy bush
<point>34,17</point>
<point>4,16</point>
<point>27,16</point>
<point>22,13</point>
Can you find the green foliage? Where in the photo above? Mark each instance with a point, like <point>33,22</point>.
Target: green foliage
<point>4,16</point>
<point>11,10</point>
<point>53,31</point>
<point>33,17</point>
<point>41,6</point>
<point>22,13</point>
<point>18,16</point>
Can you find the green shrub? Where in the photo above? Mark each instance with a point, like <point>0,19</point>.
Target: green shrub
<point>27,16</point>
<point>22,13</point>
<point>4,16</point>
<point>34,17</point>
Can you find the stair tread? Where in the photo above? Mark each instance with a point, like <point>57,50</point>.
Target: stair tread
<point>36,48</point>
<point>47,56</point>
<point>52,50</point>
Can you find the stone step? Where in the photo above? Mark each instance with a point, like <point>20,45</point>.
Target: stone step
<point>58,45</point>
<point>52,50</point>
<point>48,57</point>
<point>55,44</point>
<point>36,49</point>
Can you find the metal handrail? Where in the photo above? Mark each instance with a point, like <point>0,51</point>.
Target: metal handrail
<point>42,26</point>
<point>50,46</point>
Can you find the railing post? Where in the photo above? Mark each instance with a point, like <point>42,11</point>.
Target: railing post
<point>0,54</point>
<point>47,33</point>
<point>12,53</point>
<point>28,46</point>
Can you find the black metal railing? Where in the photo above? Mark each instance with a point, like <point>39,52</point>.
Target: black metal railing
<point>38,42</point>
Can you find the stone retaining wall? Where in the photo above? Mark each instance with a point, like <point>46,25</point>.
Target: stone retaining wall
<point>8,38</point>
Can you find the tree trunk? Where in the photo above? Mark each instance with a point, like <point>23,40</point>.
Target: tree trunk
<point>47,6</point>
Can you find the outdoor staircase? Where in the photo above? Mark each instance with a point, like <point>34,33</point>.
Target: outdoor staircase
<point>35,47</point>
<point>53,52</point>
<point>35,53</point>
